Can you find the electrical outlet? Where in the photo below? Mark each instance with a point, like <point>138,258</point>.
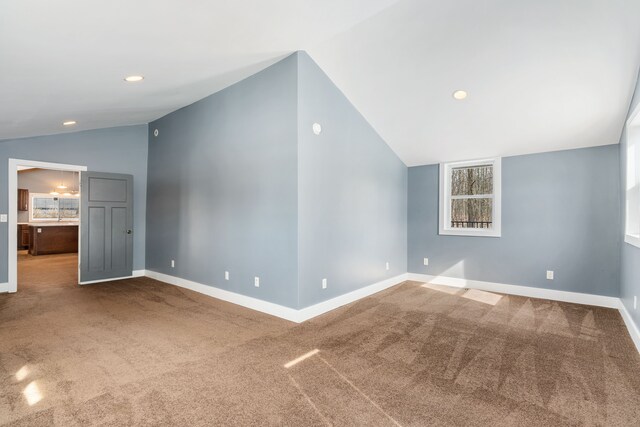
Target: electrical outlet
<point>549,274</point>
<point>226,275</point>
<point>256,282</point>
<point>635,302</point>
<point>425,261</point>
<point>324,283</point>
<point>387,266</point>
<point>173,263</point>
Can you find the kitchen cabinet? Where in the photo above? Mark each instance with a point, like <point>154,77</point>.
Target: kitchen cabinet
<point>53,238</point>
<point>23,236</point>
<point>23,199</point>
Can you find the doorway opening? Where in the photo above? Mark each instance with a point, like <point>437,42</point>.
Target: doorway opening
<point>44,223</point>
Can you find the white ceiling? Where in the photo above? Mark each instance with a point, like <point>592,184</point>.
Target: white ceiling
<point>66,59</point>
<point>541,74</point>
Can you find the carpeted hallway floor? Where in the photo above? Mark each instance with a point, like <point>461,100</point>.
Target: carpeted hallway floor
<point>47,271</point>
<point>139,352</point>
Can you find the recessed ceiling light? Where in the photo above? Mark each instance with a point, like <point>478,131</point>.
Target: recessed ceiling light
<point>69,123</point>
<point>460,94</point>
<point>132,79</point>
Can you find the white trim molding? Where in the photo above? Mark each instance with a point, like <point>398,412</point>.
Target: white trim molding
<point>525,291</point>
<point>287,313</point>
<point>12,187</point>
<point>325,306</point>
<point>632,240</point>
<point>232,297</point>
<point>632,180</point>
<point>445,199</point>
<point>631,325</point>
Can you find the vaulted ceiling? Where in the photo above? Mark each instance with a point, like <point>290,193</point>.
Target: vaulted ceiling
<point>541,75</point>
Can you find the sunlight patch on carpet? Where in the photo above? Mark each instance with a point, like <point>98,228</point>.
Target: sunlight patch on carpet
<point>300,359</point>
<point>441,288</point>
<point>482,296</point>
<point>32,393</point>
<point>22,373</point>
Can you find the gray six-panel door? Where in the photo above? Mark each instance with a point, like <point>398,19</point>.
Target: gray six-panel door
<point>106,226</point>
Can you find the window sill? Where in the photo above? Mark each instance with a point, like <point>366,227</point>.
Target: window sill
<point>470,233</point>
<point>632,240</point>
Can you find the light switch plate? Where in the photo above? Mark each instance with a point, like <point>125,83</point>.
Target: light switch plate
<point>3,217</point>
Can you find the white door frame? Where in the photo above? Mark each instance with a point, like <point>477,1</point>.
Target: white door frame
<point>13,211</point>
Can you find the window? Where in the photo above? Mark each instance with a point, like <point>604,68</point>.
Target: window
<point>46,207</point>
<point>470,198</point>
<point>632,185</point>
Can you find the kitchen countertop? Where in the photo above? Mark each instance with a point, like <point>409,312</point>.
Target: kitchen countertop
<point>51,224</point>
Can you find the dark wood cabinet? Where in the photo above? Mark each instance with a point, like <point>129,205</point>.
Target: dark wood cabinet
<point>53,239</point>
<point>23,199</point>
<point>23,236</point>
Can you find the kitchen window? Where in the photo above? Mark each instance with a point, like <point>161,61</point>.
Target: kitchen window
<point>470,198</point>
<point>46,207</point>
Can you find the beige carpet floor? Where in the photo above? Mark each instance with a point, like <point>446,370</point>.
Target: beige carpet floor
<point>139,352</point>
<point>47,271</point>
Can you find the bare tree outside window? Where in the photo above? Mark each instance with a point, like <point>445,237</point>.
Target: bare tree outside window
<point>472,197</point>
<point>45,207</point>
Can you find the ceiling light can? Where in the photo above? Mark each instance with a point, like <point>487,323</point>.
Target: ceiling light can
<point>460,94</point>
<point>133,79</point>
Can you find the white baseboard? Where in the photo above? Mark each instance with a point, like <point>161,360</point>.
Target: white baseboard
<point>325,306</point>
<point>525,291</point>
<point>277,310</point>
<point>136,273</point>
<point>307,313</point>
<point>232,297</point>
<point>631,326</point>
<point>4,287</point>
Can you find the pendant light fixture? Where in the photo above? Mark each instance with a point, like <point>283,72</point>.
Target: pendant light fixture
<point>61,186</point>
<point>67,191</point>
<point>76,192</point>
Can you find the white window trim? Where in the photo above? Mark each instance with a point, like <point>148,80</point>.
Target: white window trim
<point>445,199</point>
<point>47,195</point>
<point>633,147</point>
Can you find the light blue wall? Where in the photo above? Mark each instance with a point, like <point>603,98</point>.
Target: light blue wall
<point>630,271</point>
<point>351,194</point>
<point>222,192</point>
<point>560,211</point>
<point>239,182</point>
<point>118,150</point>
